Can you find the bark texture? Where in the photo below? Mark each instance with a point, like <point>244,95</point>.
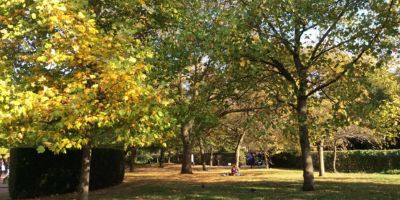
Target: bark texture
<point>266,158</point>
<point>132,159</point>
<point>321,158</point>
<point>85,173</point>
<point>162,156</point>
<point>211,156</point>
<point>187,148</point>
<point>237,149</point>
<point>308,169</point>
<point>334,157</point>
<point>202,155</point>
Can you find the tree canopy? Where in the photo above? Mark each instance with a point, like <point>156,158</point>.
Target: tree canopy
<point>134,73</point>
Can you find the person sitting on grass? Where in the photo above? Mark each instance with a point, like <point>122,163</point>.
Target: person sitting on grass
<point>234,171</point>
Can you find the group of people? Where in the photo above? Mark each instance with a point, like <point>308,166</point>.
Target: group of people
<point>254,159</point>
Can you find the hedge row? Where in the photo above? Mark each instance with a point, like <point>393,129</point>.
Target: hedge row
<point>222,158</point>
<point>347,161</point>
<point>33,174</point>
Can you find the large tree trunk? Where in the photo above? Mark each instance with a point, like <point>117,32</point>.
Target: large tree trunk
<point>132,159</point>
<point>321,158</point>
<point>334,157</point>
<point>211,156</point>
<point>202,155</point>
<point>162,155</point>
<point>187,148</point>
<point>237,149</point>
<point>308,169</point>
<point>85,172</point>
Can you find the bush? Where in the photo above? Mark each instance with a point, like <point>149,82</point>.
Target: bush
<point>286,160</point>
<point>107,168</point>
<point>347,161</point>
<point>33,174</point>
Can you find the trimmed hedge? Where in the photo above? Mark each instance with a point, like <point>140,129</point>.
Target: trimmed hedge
<point>286,160</point>
<point>33,174</point>
<point>347,161</point>
<point>221,158</point>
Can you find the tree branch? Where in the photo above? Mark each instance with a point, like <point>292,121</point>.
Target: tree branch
<point>379,30</point>
<point>252,109</point>
<point>327,32</point>
<point>279,35</point>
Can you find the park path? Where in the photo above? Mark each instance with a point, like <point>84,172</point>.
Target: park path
<point>3,187</point>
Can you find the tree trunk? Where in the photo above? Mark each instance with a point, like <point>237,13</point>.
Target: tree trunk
<point>162,155</point>
<point>321,158</point>
<point>85,172</point>
<point>169,157</point>
<point>7,163</point>
<point>187,148</point>
<point>211,156</point>
<point>308,169</point>
<point>202,155</point>
<point>266,158</point>
<point>237,150</point>
<point>334,157</point>
<point>132,159</point>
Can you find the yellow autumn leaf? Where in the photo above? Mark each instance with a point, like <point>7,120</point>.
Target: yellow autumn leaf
<point>48,45</point>
<point>81,15</point>
<point>242,62</point>
<point>41,59</point>
<point>78,124</point>
<point>81,28</point>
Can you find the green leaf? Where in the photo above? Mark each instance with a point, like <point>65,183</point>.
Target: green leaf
<point>40,149</point>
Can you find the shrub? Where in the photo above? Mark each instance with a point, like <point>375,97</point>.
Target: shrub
<point>286,160</point>
<point>107,168</point>
<point>347,161</point>
<point>33,174</point>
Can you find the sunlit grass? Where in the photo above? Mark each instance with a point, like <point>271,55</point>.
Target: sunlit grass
<point>167,183</point>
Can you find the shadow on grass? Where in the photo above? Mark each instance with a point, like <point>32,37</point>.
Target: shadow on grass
<point>167,183</point>
<point>248,190</point>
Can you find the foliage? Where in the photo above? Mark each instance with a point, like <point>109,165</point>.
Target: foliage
<point>75,81</point>
<point>303,47</point>
<point>347,161</point>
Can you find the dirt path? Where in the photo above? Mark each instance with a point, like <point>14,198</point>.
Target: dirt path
<point>3,189</point>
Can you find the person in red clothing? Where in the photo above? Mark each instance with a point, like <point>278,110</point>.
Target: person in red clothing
<point>234,171</point>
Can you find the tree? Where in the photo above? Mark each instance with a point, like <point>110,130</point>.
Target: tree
<point>80,85</point>
<point>355,104</point>
<point>294,40</point>
<point>269,133</point>
<point>386,118</point>
<point>237,125</point>
<point>200,86</point>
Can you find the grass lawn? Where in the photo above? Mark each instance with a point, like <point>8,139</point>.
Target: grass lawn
<point>167,183</point>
